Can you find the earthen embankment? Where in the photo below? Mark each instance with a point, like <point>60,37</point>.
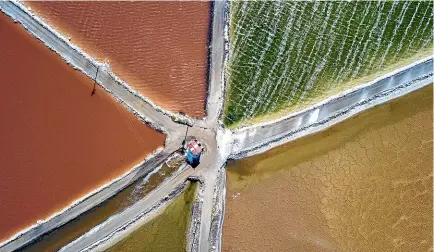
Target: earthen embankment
<point>74,56</point>
<point>259,138</point>
<point>158,48</point>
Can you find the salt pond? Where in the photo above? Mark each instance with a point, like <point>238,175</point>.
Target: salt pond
<point>287,55</point>
<point>159,48</point>
<point>58,142</point>
<point>364,184</point>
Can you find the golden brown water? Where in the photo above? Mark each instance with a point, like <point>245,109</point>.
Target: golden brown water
<point>160,48</point>
<point>362,185</point>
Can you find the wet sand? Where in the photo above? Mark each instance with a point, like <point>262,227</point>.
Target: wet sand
<point>57,141</point>
<point>160,48</point>
<point>362,185</point>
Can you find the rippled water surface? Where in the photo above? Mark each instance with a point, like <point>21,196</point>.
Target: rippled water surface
<point>286,55</point>
<point>57,142</point>
<point>362,185</point>
<point>160,48</point>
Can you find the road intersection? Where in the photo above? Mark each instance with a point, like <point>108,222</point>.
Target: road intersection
<point>219,143</point>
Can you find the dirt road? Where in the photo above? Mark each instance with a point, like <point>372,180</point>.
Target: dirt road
<point>79,60</point>
<point>121,221</point>
<point>156,117</point>
<point>91,201</point>
<point>242,143</point>
<point>205,131</point>
<point>215,89</point>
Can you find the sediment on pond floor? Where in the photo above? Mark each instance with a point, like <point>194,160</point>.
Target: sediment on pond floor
<point>363,184</point>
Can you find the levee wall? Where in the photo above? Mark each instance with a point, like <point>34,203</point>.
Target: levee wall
<point>74,56</point>
<point>87,203</point>
<point>257,139</point>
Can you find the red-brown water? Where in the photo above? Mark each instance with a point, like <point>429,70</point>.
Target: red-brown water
<point>160,48</point>
<point>57,142</point>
